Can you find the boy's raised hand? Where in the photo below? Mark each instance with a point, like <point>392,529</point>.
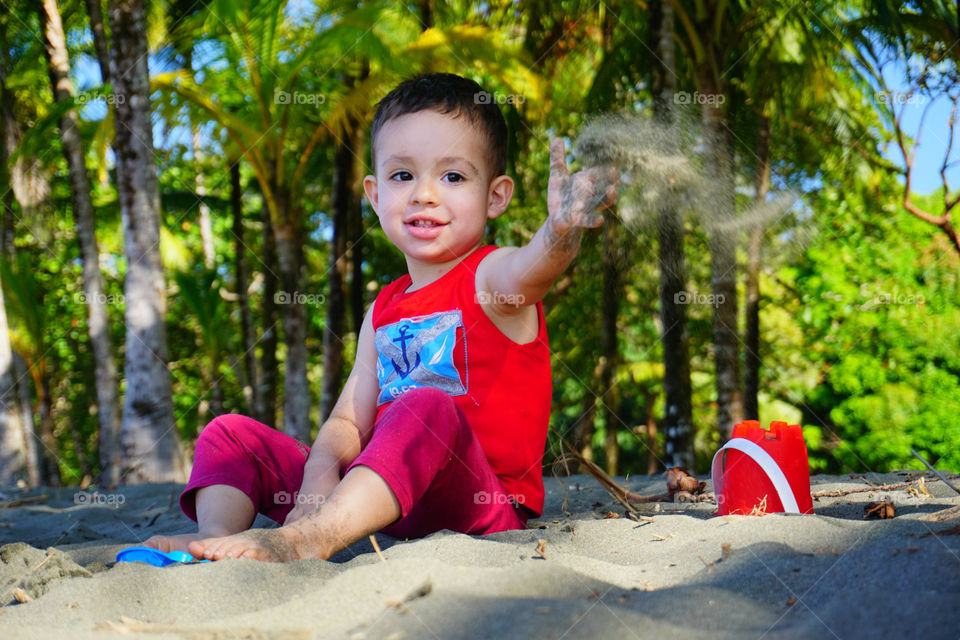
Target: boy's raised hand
<point>572,200</point>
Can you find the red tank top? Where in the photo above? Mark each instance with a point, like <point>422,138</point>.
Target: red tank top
<point>439,336</point>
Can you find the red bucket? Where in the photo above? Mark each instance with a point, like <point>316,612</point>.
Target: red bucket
<point>761,471</point>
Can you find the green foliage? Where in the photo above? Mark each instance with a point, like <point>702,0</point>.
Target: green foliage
<point>879,309</point>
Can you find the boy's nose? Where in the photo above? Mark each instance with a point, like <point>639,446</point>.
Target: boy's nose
<point>424,193</point>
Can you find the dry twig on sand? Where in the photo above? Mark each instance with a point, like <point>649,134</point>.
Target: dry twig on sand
<point>622,495</point>
<point>22,501</point>
<point>883,487</point>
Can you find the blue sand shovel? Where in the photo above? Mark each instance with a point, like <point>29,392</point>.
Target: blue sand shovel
<point>155,557</point>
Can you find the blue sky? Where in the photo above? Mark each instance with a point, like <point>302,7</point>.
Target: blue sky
<point>930,152</point>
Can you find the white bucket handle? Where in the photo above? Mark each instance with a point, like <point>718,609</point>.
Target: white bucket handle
<point>766,462</point>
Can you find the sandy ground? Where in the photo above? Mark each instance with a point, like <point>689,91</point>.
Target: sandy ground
<point>684,573</point>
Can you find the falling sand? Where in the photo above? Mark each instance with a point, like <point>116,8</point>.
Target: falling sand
<point>663,168</point>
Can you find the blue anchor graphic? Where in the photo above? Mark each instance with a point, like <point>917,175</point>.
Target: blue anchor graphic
<point>403,345</point>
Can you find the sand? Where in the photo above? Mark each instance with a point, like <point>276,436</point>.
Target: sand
<point>685,573</point>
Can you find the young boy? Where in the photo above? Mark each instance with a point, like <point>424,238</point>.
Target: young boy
<point>443,419</point>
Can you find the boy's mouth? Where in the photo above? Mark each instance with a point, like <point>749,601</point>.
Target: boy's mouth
<point>423,222</point>
<point>424,228</point>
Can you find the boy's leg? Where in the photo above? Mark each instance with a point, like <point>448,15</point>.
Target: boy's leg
<point>423,470</point>
<point>425,450</point>
<point>360,505</point>
<point>241,467</point>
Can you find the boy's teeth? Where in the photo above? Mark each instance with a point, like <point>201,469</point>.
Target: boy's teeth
<point>423,223</point>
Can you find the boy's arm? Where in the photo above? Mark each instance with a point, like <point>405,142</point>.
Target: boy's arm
<point>523,275</point>
<point>346,431</point>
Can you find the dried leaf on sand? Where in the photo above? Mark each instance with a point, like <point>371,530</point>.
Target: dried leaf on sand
<point>883,509</point>
<point>542,549</point>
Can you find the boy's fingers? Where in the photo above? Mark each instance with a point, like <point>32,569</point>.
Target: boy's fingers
<point>558,159</point>
<point>593,221</point>
<point>611,195</point>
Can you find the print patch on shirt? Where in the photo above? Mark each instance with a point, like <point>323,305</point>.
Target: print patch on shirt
<point>418,352</point>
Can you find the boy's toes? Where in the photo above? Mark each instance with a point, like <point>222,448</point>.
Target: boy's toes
<point>199,548</point>
<point>214,549</point>
<point>220,548</point>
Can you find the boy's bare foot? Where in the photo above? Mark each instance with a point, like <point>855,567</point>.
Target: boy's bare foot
<point>181,541</point>
<point>269,545</point>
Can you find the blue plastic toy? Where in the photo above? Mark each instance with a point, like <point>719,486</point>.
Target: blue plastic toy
<point>155,557</point>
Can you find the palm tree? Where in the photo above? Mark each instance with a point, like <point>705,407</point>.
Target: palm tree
<point>251,375</point>
<point>148,436</point>
<point>710,35</point>
<point>29,188</point>
<point>678,427</point>
<point>12,446</point>
<point>97,317</point>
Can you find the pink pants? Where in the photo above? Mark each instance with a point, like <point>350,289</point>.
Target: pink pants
<point>422,447</point>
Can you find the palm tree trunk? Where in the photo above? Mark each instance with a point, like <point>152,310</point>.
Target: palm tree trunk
<point>148,437</point>
<point>7,222</point>
<point>609,349</point>
<point>98,322</point>
<point>752,360</point>
<point>25,183</point>
<point>205,220</point>
<point>678,407</point>
<point>14,452</point>
<point>336,302</point>
<point>355,250</point>
<point>296,396</point>
<point>653,462</point>
<point>267,407</point>
<point>49,465</point>
<point>95,15</point>
<point>251,387</point>
<point>355,234</point>
<point>35,468</point>
<point>723,265</point>
<point>13,459</point>
<point>200,189</point>
<point>583,428</point>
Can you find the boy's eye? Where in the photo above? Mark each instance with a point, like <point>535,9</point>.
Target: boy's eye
<point>454,177</point>
<point>402,176</point>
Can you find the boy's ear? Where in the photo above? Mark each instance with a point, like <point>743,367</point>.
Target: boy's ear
<point>501,191</point>
<point>370,188</point>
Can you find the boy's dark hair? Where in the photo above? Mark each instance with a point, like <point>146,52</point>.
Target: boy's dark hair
<point>448,94</point>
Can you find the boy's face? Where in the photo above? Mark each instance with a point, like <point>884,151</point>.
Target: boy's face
<point>432,188</point>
